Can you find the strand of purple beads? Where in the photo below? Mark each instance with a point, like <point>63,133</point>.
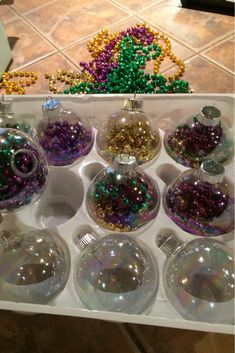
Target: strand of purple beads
<point>103,64</point>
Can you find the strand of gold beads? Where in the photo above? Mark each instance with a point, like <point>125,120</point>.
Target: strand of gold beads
<point>165,51</point>
<point>67,77</point>
<point>12,85</point>
<point>96,45</point>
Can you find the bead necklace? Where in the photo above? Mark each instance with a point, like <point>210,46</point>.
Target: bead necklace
<point>120,59</point>
<point>13,86</point>
<point>128,76</point>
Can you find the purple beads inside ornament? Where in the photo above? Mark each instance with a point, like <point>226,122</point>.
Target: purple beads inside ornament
<point>64,142</point>
<point>190,145</point>
<point>23,170</point>
<point>199,207</point>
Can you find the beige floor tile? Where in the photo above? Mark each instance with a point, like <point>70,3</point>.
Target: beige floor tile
<point>66,22</point>
<point>222,54</point>
<point>196,28</point>
<point>50,64</point>
<point>136,5</point>
<point>205,77</point>
<point>6,14</point>
<point>27,45</point>
<point>27,5</point>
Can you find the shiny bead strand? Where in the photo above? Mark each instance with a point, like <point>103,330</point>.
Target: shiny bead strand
<point>12,85</point>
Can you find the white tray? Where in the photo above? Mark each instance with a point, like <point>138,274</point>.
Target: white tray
<point>64,181</point>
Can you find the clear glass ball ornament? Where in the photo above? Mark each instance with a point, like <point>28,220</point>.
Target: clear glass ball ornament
<point>201,202</point>
<point>35,266</point>
<point>129,131</point>
<point>122,198</point>
<point>9,120</point>
<point>23,170</point>
<point>116,273</point>
<point>198,278</point>
<point>64,136</point>
<point>205,136</point>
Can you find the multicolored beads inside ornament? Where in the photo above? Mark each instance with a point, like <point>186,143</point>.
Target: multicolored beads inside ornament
<point>191,145</point>
<point>64,142</point>
<point>123,203</point>
<point>129,133</point>
<point>26,128</point>
<point>23,170</point>
<point>199,207</point>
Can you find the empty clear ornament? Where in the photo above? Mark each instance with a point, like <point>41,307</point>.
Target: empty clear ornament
<point>201,201</point>
<point>129,131</point>
<point>23,170</point>
<point>198,278</point>
<point>35,266</point>
<point>64,136</point>
<point>122,197</point>
<point>9,120</point>
<point>116,273</point>
<point>205,136</point>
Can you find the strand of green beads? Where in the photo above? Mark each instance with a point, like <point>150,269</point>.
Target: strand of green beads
<point>129,76</point>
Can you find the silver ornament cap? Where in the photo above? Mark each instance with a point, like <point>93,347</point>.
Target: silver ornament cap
<point>85,239</point>
<point>124,163</point>
<point>211,172</point>
<point>133,104</point>
<point>209,116</point>
<point>5,107</point>
<point>168,244</point>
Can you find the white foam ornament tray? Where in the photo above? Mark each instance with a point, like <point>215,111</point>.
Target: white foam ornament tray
<point>63,207</point>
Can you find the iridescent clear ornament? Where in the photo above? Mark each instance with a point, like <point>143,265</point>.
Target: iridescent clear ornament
<point>64,136</point>
<point>35,266</point>
<point>122,197</point>
<point>116,273</point>
<point>198,278</point>
<point>23,170</point>
<point>201,201</point>
<point>205,136</point>
<point>9,120</point>
<point>129,131</point>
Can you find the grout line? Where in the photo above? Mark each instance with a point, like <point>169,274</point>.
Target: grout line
<point>181,41</point>
<point>34,9</point>
<point>214,63</point>
<point>217,64</point>
<point>133,11</point>
<point>91,35</point>
<point>122,7</point>
<point>34,61</point>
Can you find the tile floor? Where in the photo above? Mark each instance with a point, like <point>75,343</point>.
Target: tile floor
<point>46,35</point>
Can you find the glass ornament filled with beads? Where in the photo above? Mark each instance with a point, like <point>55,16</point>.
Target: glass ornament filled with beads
<point>206,136</point>
<point>63,135</point>
<point>198,278</point>
<point>201,201</point>
<point>23,170</point>
<point>129,131</point>
<point>35,266</point>
<point>116,273</point>
<point>122,198</point>
<point>9,120</point>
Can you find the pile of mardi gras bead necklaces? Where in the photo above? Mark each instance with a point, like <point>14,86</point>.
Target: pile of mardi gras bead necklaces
<point>118,65</point>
